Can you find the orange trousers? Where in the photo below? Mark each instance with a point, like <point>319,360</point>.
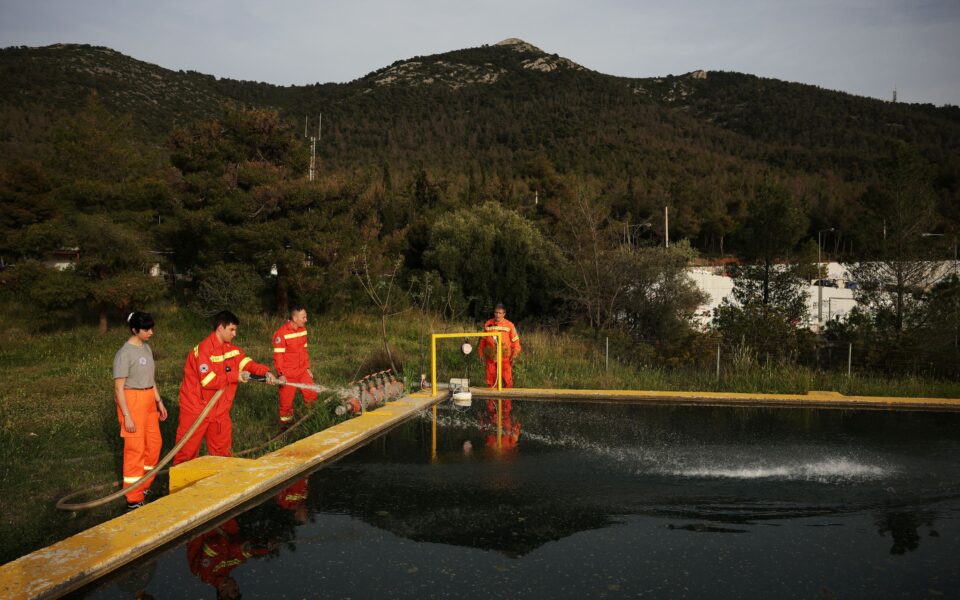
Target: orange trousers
<point>141,449</point>
<point>506,373</point>
<point>287,393</point>
<point>217,431</point>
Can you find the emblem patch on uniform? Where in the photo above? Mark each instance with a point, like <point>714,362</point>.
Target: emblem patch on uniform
<point>143,361</point>
<point>204,368</point>
<point>277,340</point>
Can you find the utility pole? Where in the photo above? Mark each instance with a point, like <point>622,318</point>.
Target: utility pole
<point>313,147</point>
<point>666,226</point>
<point>820,283</point>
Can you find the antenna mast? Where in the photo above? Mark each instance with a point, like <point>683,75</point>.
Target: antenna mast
<point>313,147</point>
<point>666,226</point>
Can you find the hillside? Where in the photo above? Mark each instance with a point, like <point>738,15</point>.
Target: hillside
<point>528,97</point>
<point>512,113</point>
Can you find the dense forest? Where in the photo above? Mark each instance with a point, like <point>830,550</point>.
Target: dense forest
<point>499,173</point>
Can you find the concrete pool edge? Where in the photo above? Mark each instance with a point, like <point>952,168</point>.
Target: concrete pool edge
<point>214,487</point>
<point>812,399</point>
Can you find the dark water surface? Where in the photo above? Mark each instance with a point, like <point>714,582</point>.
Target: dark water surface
<point>602,501</point>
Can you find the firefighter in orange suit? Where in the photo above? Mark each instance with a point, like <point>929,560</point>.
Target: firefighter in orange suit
<point>139,406</point>
<point>213,555</point>
<point>509,341</point>
<point>212,365</point>
<point>291,359</point>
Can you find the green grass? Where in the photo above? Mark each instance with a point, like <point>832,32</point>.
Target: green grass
<point>59,433</point>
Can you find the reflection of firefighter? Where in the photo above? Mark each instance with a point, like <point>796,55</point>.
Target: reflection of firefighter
<point>135,581</point>
<point>294,499</point>
<point>509,342</point>
<point>216,553</point>
<point>506,436</point>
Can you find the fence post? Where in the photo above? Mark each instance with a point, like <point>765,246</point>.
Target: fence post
<point>849,358</point>
<point>607,359</point>
<point>718,361</point>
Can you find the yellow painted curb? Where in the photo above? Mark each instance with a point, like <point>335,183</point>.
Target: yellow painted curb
<point>812,399</point>
<point>209,487</point>
<point>188,473</point>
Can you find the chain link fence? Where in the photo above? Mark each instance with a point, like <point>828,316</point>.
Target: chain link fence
<point>723,356</point>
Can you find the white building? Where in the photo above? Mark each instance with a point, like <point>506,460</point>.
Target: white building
<point>836,301</point>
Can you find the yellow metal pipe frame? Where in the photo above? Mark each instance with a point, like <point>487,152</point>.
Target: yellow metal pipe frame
<point>433,355</point>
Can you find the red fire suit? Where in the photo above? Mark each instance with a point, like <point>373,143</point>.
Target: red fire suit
<point>505,434</point>
<point>295,495</point>
<point>211,366</point>
<point>509,340</point>
<point>216,553</point>
<point>292,360</point>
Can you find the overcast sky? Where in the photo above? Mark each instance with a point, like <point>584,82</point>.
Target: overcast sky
<point>866,47</point>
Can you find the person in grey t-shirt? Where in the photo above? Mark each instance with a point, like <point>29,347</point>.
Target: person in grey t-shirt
<point>139,406</point>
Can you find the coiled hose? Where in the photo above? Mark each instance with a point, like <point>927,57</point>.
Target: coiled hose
<point>63,503</point>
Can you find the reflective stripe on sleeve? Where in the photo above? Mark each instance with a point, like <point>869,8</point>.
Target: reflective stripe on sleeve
<point>130,479</point>
<point>207,379</point>
<point>279,350</point>
<point>244,362</point>
<point>515,338</point>
<point>295,335</point>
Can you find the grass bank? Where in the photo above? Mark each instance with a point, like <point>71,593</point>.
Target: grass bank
<point>58,430</point>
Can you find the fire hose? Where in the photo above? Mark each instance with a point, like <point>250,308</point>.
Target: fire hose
<point>63,502</point>
<point>301,420</point>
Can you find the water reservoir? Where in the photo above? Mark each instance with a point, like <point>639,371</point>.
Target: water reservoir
<point>585,500</point>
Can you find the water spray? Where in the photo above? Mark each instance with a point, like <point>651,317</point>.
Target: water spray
<point>365,394</point>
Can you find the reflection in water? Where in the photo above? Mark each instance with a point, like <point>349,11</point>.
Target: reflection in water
<point>502,430</point>
<point>135,582</point>
<point>903,526</point>
<point>215,554</point>
<point>613,501</point>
